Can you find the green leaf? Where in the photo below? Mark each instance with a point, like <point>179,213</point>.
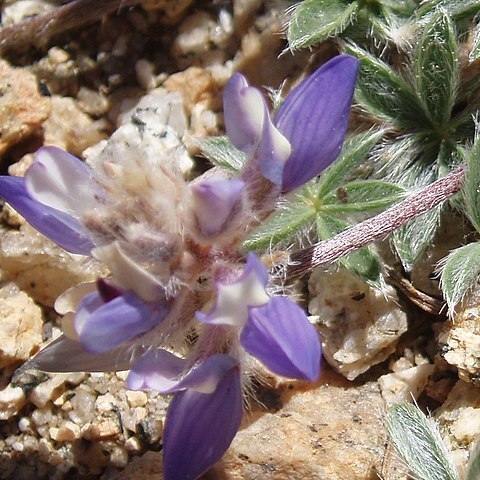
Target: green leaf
<point>384,94</point>
<point>282,226</point>
<point>313,21</point>
<point>473,467</point>
<point>221,152</point>
<point>455,8</point>
<point>363,196</point>
<point>418,442</point>
<point>475,51</point>
<point>400,7</point>
<point>459,272</point>
<point>411,240</point>
<point>436,68</point>
<point>363,262</point>
<point>354,152</point>
<point>471,186</point>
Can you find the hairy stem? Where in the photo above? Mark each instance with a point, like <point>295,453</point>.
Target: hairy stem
<point>38,30</point>
<point>356,237</point>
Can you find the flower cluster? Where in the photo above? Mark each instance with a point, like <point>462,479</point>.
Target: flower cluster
<point>177,268</point>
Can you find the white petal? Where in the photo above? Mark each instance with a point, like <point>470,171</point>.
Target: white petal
<point>60,180</point>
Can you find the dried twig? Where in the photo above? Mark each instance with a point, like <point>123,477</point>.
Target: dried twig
<point>41,28</point>
<point>381,225</point>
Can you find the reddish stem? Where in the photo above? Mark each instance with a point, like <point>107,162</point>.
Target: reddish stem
<point>356,237</point>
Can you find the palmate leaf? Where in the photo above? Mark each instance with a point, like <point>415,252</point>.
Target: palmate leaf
<point>475,51</point>
<point>436,67</point>
<point>314,21</point>
<point>459,272</point>
<point>221,152</point>
<point>471,186</point>
<point>455,8</point>
<point>363,196</point>
<point>473,467</point>
<point>400,7</point>
<point>384,93</point>
<point>418,442</point>
<point>282,226</point>
<point>411,240</point>
<point>354,153</point>
<point>363,262</point>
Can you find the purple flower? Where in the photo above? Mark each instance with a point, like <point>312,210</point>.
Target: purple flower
<point>308,130</point>
<point>110,317</point>
<point>274,330</point>
<point>204,415</point>
<point>214,202</point>
<point>51,195</point>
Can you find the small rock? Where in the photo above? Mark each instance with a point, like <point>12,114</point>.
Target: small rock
<point>200,93</point>
<point>16,12</point>
<point>104,429</point>
<point>41,268</point>
<point>92,102</point>
<point>53,387</point>
<point>405,385</point>
<point>68,432</point>
<point>133,445</point>
<point>68,127</point>
<point>136,399</point>
<point>330,432</point>
<point>359,326</point>
<point>459,420</point>
<point>170,11</point>
<point>12,399</point>
<point>459,339</point>
<point>105,403</point>
<point>151,129</point>
<point>194,34</point>
<point>20,326</point>
<point>22,107</point>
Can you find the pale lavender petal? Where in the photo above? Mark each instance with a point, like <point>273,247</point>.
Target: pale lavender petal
<point>272,152</point>
<point>60,180</point>
<point>281,337</point>
<point>243,109</point>
<point>157,370</point>
<point>200,427</point>
<point>214,202</point>
<point>314,119</point>
<point>66,355</point>
<point>164,372</point>
<point>255,266</point>
<point>63,229</point>
<point>103,326</point>
<point>233,299</point>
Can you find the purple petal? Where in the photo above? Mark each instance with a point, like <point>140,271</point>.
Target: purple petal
<point>66,355</point>
<point>314,119</point>
<point>214,201</point>
<point>200,427</point>
<point>60,227</point>
<point>162,371</point>
<point>61,181</point>
<point>233,299</point>
<point>243,109</point>
<point>281,337</point>
<point>103,326</point>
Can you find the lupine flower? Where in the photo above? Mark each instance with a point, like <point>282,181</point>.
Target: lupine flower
<point>43,197</point>
<point>308,130</point>
<point>271,329</point>
<point>174,249</point>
